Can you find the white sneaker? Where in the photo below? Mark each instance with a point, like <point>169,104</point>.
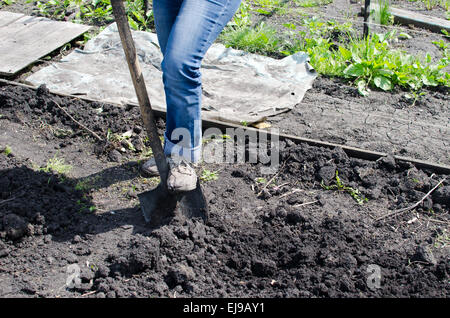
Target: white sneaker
<point>182,176</point>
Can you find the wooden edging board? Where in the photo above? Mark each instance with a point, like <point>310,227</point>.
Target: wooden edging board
<point>406,17</point>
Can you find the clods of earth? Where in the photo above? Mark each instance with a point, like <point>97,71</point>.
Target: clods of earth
<point>320,226</point>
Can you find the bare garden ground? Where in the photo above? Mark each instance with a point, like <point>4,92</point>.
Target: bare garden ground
<point>322,226</point>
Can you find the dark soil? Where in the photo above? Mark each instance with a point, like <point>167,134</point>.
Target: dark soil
<point>296,239</point>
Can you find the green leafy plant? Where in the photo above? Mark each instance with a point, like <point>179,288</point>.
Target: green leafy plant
<point>7,2</point>
<point>98,12</point>
<point>7,151</point>
<point>335,49</point>
<point>208,175</point>
<point>242,17</point>
<point>267,7</point>
<point>120,139</point>
<point>87,183</point>
<point>354,193</point>
<point>84,207</point>
<point>372,62</point>
<point>261,180</point>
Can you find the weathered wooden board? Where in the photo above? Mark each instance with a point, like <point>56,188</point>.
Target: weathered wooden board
<point>25,39</point>
<point>406,17</point>
<point>420,20</point>
<point>9,17</point>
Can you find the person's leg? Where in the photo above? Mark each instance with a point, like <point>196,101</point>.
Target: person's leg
<point>196,27</point>
<point>165,13</point>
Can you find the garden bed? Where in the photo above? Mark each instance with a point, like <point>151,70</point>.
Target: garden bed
<point>305,236</point>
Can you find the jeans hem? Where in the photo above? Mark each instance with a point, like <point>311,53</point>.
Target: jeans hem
<point>192,154</point>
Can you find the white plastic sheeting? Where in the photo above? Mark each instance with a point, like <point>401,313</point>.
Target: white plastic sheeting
<point>237,86</point>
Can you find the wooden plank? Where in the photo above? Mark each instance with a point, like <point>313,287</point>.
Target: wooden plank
<point>414,18</point>
<point>420,20</point>
<point>9,17</point>
<point>27,39</point>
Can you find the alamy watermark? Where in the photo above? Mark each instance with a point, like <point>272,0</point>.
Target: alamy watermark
<point>236,145</point>
<point>374,277</point>
<point>73,279</point>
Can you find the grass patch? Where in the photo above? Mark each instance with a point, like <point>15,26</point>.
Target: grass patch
<point>56,165</point>
<point>84,207</point>
<point>442,240</point>
<point>87,184</point>
<point>312,3</point>
<point>382,15</point>
<point>260,39</point>
<point>261,180</point>
<point>431,4</point>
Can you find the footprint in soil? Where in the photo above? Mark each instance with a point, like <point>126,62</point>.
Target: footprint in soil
<point>34,202</point>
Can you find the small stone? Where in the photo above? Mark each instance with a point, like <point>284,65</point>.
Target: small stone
<point>50,260</point>
<point>425,255</point>
<point>327,173</point>
<point>374,193</point>
<point>15,226</point>
<point>387,162</point>
<point>103,287</point>
<point>131,194</point>
<point>428,204</point>
<point>137,129</point>
<point>181,273</point>
<point>111,294</point>
<point>87,275</point>
<point>138,145</point>
<point>102,271</point>
<point>42,90</point>
<point>4,252</point>
<point>115,156</point>
<point>198,233</point>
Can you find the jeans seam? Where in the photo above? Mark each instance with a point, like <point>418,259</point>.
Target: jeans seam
<point>216,24</point>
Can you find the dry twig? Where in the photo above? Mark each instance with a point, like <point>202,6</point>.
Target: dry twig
<point>270,181</point>
<point>78,123</point>
<point>306,203</point>
<point>396,212</point>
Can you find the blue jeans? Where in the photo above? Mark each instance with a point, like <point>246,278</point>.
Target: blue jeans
<point>186,29</point>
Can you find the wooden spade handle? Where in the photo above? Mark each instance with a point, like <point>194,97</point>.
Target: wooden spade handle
<point>139,86</point>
